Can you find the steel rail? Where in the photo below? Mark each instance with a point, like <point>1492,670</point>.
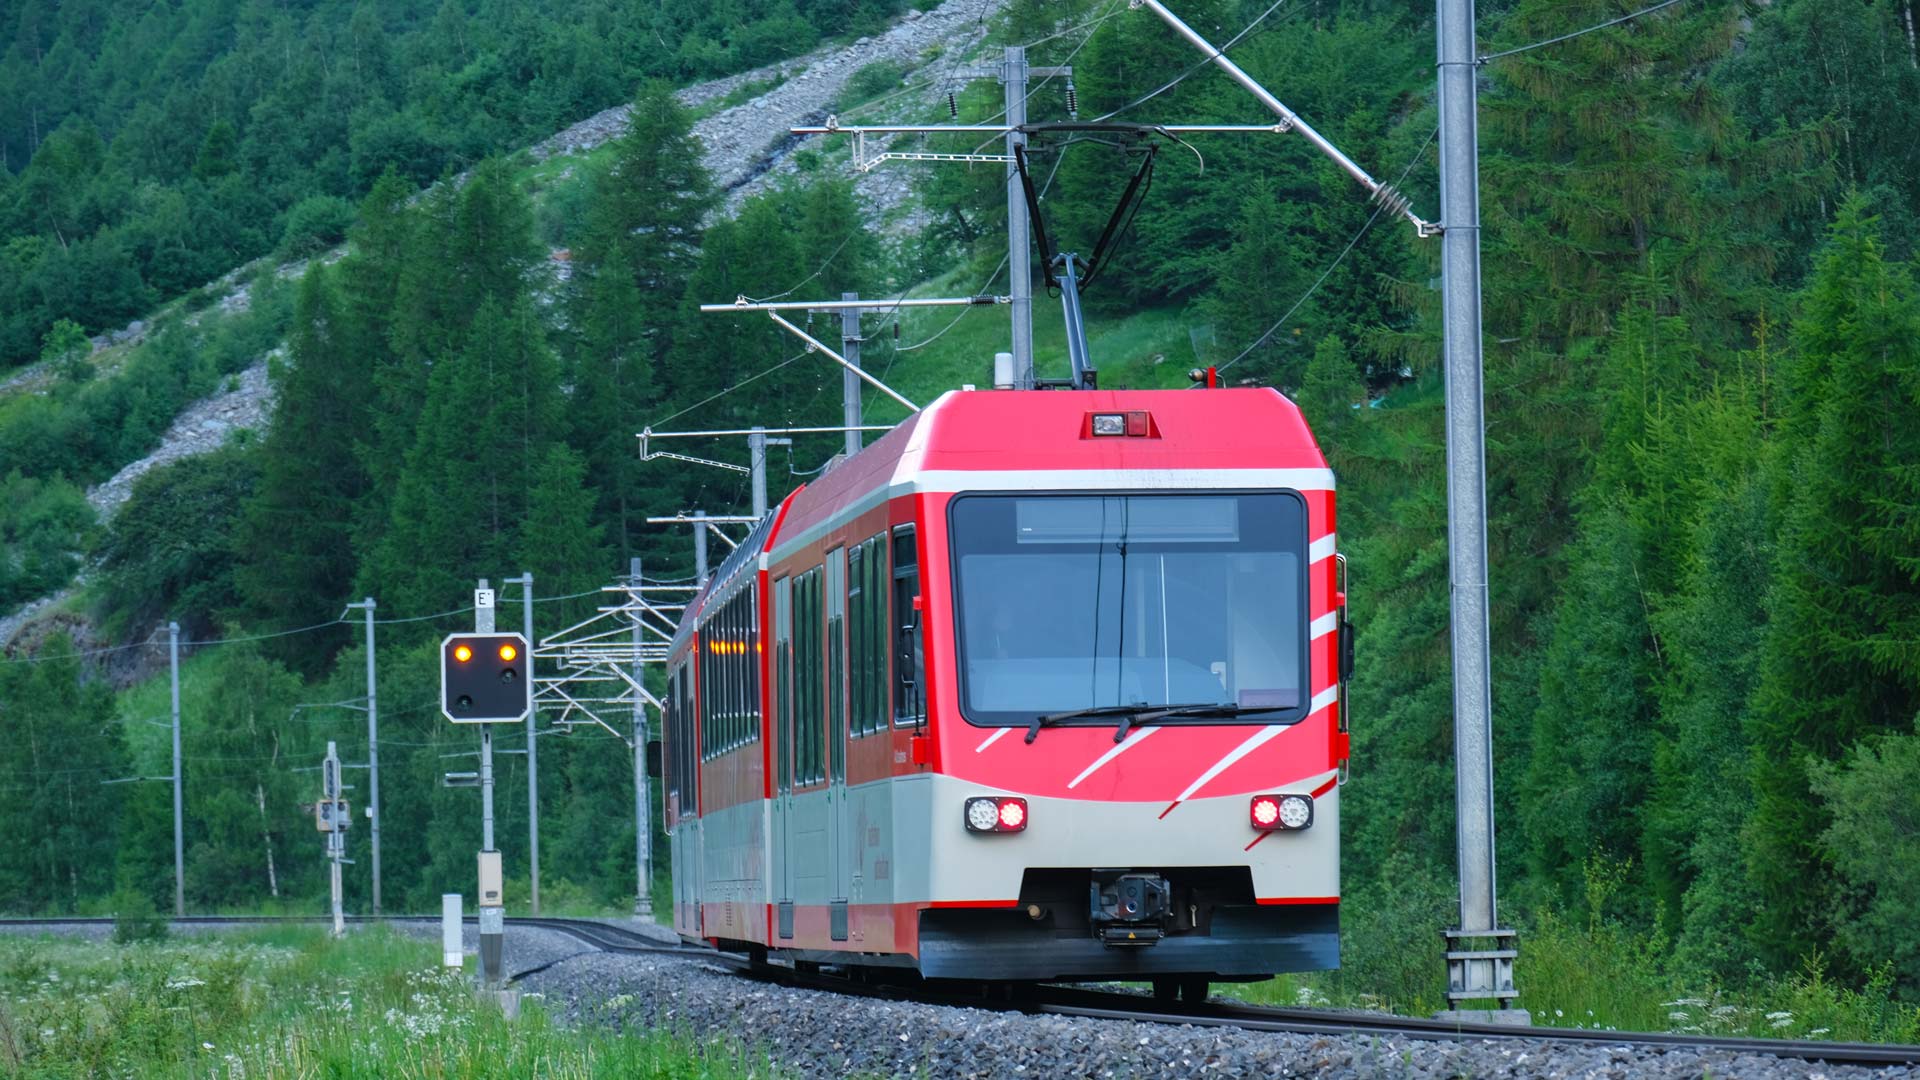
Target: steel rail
<point>1081,1001</point>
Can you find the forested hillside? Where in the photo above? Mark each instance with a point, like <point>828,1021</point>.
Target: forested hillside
<point>147,149</point>
<point>1703,401</point>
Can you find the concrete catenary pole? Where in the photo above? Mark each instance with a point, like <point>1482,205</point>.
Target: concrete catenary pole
<point>757,469</point>
<point>699,549</point>
<point>373,753</point>
<point>849,382</point>
<point>492,900</point>
<point>533,751</point>
<point>1473,973</point>
<point>642,823</point>
<point>1019,238</point>
<point>179,804</point>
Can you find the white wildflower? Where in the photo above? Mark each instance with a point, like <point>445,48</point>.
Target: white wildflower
<point>206,1046</point>
<point>1821,1031</point>
<point>1676,1015</point>
<point>1783,1022</point>
<point>185,981</point>
<point>1779,1016</point>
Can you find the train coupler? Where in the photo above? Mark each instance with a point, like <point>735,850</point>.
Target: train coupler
<point>1130,909</point>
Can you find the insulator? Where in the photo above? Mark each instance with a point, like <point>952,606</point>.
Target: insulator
<point>953,107</point>
<point>1073,101</point>
<point>896,330</point>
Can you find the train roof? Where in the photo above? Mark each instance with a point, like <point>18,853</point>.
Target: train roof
<point>1011,438</point>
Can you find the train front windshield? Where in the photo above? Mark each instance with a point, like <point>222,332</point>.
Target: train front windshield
<point>1072,602</point>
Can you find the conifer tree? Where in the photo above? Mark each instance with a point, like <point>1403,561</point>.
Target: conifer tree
<point>1258,281</point>
<point>491,415</point>
<point>298,556</point>
<point>639,247</point>
<point>60,819</point>
<point>1331,392</point>
<point>1838,664</point>
<point>561,543</point>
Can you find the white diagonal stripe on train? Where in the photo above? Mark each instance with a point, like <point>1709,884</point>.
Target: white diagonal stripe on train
<point>991,739</point>
<point>1320,549</point>
<point>1137,738</point>
<point>1324,625</point>
<point>1320,701</point>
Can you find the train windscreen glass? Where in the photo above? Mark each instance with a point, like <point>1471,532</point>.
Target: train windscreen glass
<point>1071,602</point>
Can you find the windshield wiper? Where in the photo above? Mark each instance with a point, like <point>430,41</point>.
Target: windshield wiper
<point>1203,710</point>
<point>1181,711</point>
<point>1048,719</point>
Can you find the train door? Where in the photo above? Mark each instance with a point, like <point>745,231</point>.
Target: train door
<point>839,858</point>
<point>783,753</point>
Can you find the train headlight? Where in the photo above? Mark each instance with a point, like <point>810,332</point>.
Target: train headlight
<point>996,815</point>
<point>1109,423</point>
<point>1281,811</point>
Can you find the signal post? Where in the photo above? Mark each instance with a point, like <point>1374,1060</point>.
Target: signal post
<point>332,817</point>
<point>484,681</point>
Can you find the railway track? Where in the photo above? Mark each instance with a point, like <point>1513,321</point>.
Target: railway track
<point>1106,1004</point>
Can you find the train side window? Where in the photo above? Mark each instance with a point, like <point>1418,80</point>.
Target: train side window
<point>733,672</point>
<point>783,683</point>
<point>806,664</point>
<point>670,723</point>
<point>704,659</point>
<point>857,639</point>
<point>877,633</point>
<point>816,671</point>
<point>837,661</point>
<point>909,687</point>
<point>859,598</point>
<point>688,751</point>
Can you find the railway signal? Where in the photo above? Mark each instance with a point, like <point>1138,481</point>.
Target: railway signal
<point>332,817</point>
<point>483,678</point>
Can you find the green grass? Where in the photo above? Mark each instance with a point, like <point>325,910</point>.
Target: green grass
<point>1608,977</point>
<point>290,1002</point>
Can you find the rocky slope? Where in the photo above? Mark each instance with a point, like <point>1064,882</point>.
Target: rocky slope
<point>747,147</point>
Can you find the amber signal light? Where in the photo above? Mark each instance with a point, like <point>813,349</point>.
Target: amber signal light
<point>507,652</point>
<point>464,653</point>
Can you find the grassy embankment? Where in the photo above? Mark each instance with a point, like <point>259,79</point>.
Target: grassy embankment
<point>1607,977</point>
<point>289,1002</point>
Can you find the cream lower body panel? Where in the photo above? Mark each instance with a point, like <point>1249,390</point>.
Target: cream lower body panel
<point>959,865</point>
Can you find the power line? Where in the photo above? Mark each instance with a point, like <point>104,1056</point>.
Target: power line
<point>264,637</point>
<point>1344,252</point>
<point>1197,65</point>
<point>1569,37</point>
<point>1035,88</point>
<point>715,397</point>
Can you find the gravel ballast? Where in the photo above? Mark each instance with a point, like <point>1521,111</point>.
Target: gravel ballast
<point>815,1033</point>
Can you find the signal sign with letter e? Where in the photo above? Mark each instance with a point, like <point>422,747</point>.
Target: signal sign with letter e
<point>485,678</point>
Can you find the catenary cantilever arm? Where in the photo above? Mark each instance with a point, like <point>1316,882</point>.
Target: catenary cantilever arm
<point>1383,193</point>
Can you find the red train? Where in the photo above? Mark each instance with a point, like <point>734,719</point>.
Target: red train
<point>1039,685</point>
